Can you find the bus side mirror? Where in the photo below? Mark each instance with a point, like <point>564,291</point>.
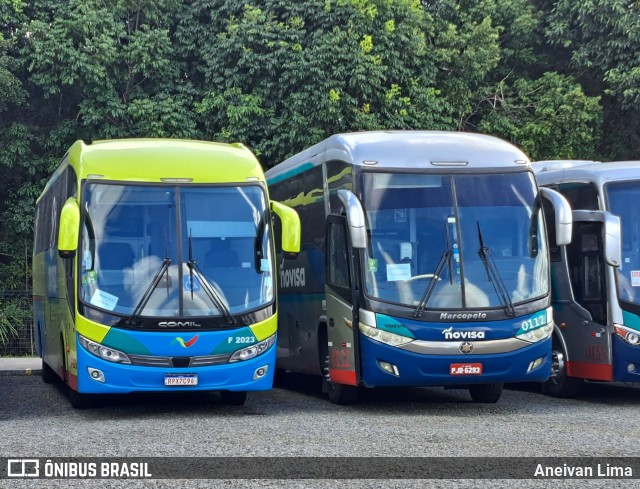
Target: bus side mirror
<point>69,229</point>
<point>611,233</point>
<point>612,240</point>
<point>290,228</point>
<point>564,219</point>
<point>355,218</point>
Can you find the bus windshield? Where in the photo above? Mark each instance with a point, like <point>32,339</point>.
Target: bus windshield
<point>454,241</point>
<point>623,201</point>
<point>174,250</point>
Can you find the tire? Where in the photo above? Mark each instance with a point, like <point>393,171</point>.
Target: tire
<point>233,398</point>
<point>559,384</point>
<point>343,395</point>
<point>340,394</point>
<point>80,401</point>
<point>279,377</point>
<point>486,393</point>
<point>76,399</point>
<point>49,375</point>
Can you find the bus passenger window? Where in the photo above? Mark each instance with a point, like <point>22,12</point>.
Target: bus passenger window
<point>338,257</point>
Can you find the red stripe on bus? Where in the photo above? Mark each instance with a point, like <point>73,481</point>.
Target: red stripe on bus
<point>347,377</point>
<point>593,371</point>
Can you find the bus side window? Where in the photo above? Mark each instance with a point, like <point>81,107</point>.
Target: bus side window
<point>338,255</point>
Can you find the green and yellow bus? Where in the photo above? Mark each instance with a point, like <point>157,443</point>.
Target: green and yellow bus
<point>153,269</point>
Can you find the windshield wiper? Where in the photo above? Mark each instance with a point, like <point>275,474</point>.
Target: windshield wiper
<point>493,274</point>
<point>209,289</point>
<point>133,318</point>
<point>445,258</point>
<point>191,263</point>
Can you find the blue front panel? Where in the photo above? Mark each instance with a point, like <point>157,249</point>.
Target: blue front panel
<point>625,354</point>
<point>432,369</point>
<point>123,378</point>
<point>424,370</point>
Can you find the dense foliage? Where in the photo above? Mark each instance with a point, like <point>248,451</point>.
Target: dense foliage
<point>558,78</point>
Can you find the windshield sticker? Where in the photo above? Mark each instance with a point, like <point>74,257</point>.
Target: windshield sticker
<point>635,278</point>
<point>191,285</point>
<point>265,265</point>
<point>89,277</point>
<point>399,271</point>
<point>104,300</point>
<point>372,265</point>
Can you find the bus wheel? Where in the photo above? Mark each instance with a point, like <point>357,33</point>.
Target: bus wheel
<point>49,375</point>
<point>487,393</point>
<point>338,393</point>
<point>559,384</point>
<point>233,398</point>
<point>80,401</point>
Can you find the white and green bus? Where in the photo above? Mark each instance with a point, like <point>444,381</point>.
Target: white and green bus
<point>596,278</point>
<point>153,269</point>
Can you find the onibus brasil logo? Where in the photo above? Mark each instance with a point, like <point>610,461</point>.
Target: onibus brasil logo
<point>187,344</point>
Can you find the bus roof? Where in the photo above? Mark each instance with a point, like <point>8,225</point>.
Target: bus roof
<point>409,149</point>
<point>585,171</point>
<point>153,160</point>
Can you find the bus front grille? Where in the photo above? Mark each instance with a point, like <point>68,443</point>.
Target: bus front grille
<point>199,361</point>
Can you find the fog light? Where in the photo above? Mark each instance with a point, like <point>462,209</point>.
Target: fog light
<point>96,374</point>
<point>389,368</point>
<point>631,368</point>
<point>260,372</point>
<point>535,364</point>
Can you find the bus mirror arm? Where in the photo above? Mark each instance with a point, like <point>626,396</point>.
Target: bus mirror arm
<point>355,218</point>
<point>290,229</point>
<point>69,229</point>
<point>563,217</point>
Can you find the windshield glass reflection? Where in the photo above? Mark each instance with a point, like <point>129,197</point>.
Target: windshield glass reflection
<point>138,242</point>
<point>623,202</point>
<point>447,242</point>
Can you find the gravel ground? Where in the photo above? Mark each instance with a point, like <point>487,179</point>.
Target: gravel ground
<point>295,420</point>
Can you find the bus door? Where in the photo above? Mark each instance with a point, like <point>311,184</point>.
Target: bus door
<point>342,303</point>
<point>585,330</point>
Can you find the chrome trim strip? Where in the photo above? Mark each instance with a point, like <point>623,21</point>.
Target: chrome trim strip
<point>453,347</point>
<point>164,361</point>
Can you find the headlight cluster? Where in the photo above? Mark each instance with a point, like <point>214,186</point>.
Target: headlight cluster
<point>101,351</point>
<point>253,351</point>
<point>537,334</point>
<point>630,336</point>
<point>383,336</point>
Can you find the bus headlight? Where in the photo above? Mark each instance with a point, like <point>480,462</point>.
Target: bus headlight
<point>253,351</point>
<point>383,336</point>
<point>101,351</point>
<point>630,336</point>
<point>538,334</point>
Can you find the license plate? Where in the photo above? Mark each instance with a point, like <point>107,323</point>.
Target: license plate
<point>181,379</point>
<point>465,369</point>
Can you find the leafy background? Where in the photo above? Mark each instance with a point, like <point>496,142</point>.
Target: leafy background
<point>560,79</point>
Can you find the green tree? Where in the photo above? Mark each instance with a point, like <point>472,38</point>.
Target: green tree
<point>111,68</point>
<point>549,118</point>
<point>500,77</point>
<point>601,39</point>
<point>283,75</point>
